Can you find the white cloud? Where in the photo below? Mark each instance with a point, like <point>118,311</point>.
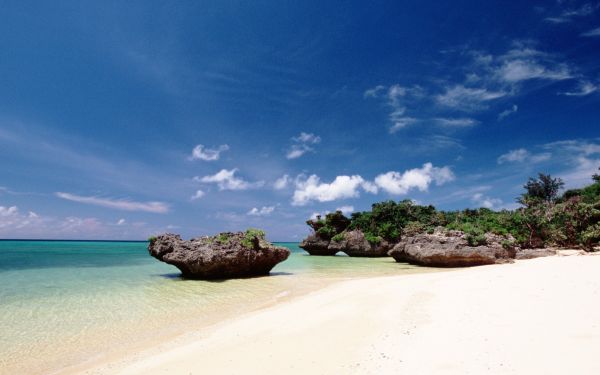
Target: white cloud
<point>8,211</point>
<point>121,222</point>
<point>198,194</point>
<point>341,188</point>
<point>592,33</point>
<point>346,210</point>
<point>518,70</point>
<point>456,122</point>
<point>207,154</point>
<point>370,187</point>
<point>466,98</point>
<point>584,88</point>
<point>567,15</point>
<point>282,182</point>
<point>583,148</point>
<point>504,114</point>
<point>486,202</point>
<point>118,204</point>
<point>265,210</point>
<point>522,155</point>
<point>399,122</point>
<point>418,178</point>
<point>226,180</point>
<point>374,92</point>
<point>302,144</point>
<point>581,171</point>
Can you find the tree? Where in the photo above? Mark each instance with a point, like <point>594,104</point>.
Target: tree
<point>596,176</point>
<point>541,189</point>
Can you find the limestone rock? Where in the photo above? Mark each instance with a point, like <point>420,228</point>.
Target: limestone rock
<point>315,245</point>
<point>450,249</point>
<point>227,255</point>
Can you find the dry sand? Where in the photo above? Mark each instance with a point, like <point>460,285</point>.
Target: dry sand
<point>538,316</point>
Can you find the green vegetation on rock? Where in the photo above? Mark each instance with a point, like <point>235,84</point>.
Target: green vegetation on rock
<point>545,218</point>
<point>251,236</point>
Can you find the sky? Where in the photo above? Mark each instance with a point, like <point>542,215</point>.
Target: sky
<point>121,120</point>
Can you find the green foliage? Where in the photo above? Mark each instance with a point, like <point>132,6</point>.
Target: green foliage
<point>334,223</point>
<point>374,240</point>
<point>387,219</point>
<point>413,227</point>
<point>338,237</point>
<point>546,218</point>
<point>544,188</point>
<point>326,232</point>
<point>252,236</point>
<point>223,238</point>
<point>151,239</point>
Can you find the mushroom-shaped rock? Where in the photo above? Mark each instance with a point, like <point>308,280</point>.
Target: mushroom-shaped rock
<point>226,255</point>
<point>315,245</point>
<point>355,244</point>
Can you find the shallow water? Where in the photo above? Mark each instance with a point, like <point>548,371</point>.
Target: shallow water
<point>65,303</point>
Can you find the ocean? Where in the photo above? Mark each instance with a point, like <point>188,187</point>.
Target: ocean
<point>65,304</point>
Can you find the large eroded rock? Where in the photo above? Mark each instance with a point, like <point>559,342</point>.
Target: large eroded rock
<point>316,245</point>
<point>355,244</point>
<point>450,249</point>
<point>227,255</point>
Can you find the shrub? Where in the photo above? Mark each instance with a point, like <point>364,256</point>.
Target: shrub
<point>252,236</point>
<point>373,240</point>
<point>338,237</point>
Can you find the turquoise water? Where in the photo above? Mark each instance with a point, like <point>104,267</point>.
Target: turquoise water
<point>67,303</point>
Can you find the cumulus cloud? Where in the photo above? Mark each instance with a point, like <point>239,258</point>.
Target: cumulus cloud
<point>198,194</point>
<point>522,155</point>
<point>121,222</point>
<point>418,178</point>
<point>302,144</point>
<point>504,114</point>
<point>265,210</point>
<point>226,180</point>
<point>343,187</point>
<point>282,182</point>
<point>312,189</point>
<point>8,211</point>
<point>346,210</point>
<point>118,204</point>
<point>486,202</point>
<point>207,154</point>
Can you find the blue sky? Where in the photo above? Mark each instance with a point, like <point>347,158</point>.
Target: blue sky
<point>125,119</point>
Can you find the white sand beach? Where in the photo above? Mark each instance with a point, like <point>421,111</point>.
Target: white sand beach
<point>538,316</point>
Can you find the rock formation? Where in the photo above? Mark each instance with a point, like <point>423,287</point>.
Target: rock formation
<point>315,245</point>
<point>353,243</point>
<point>226,255</point>
<point>451,249</point>
<point>535,253</point>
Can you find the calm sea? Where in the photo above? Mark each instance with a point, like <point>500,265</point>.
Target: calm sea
<point>65,304</point>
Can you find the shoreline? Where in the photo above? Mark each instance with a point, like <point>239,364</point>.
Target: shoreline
<point>533,316</point>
